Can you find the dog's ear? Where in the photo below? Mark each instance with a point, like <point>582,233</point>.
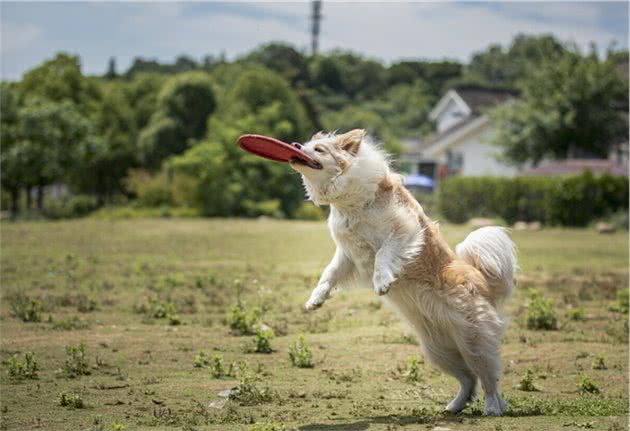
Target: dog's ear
<point>351,141</point>
<point>319,135</point>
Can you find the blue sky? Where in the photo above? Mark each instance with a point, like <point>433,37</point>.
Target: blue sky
<point>32,32</point>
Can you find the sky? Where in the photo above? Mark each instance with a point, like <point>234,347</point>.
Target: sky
<point>389,31</point>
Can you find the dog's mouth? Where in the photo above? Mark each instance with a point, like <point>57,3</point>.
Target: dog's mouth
<point>308,162</point>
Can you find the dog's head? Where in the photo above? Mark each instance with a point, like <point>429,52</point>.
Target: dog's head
<point>346,160</point>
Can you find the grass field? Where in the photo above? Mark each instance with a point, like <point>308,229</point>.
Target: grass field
<point>146,296</point>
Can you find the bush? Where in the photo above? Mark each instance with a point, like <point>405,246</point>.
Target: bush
<point>599,363</point>
<point>569,200</point>
<point>300,353</point>
<point>73,401</point>
<point>242,320</point>
<point>76,361</point>
<point>201,360</point>
<point>25,308</point>
<point>164,189</point>
<point>262,341</point>
<point>527,382</point>
<point>540,313</point>
<point>19,370</point>
<point>576,314</point>
<point>217,370</point>
<point>73,207</point>
<point>413,373</point>
<point>308,211</point>
<point>248,393</point>
<point>586,385</point>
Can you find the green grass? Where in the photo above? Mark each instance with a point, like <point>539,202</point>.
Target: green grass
<point>151,294</point>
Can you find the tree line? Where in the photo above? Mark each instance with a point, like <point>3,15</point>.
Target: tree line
<point>164,134</point>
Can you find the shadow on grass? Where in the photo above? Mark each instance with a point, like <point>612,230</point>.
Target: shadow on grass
<point>400,420</point>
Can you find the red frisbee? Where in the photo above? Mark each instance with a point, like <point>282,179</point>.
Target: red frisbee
<point>275,149</point>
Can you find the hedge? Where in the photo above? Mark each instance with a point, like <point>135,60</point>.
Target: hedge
<point>567,200</point>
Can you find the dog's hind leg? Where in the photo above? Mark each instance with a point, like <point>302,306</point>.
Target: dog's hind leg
<point>451,362</point>
<point>480,347</point>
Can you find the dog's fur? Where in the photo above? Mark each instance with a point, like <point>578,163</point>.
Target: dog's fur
<point>385,240</point>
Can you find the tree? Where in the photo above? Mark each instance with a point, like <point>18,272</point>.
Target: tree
<point>60,79</point>
<point>184,104</point>
<point>255,90</point>
<point>436,75</point>
<point>104,158</point>
<point>231,182</point>
<point>501,67</point>
<point>111,69</point>
<point>46,141</point>
<point>283,59</point>
<point>568,108</point>
<point>12,174</point>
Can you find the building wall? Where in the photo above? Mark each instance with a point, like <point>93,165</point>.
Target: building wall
<point>479,156</point>
<point>451,116</point>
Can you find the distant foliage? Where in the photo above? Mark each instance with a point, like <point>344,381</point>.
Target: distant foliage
<point>71,207</point>
<point>568,106</point>
<point>177,122</point>
<point>568,201</point>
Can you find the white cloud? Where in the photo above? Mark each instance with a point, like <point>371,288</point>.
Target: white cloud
<point>16,37</point>
<point>388,31</point>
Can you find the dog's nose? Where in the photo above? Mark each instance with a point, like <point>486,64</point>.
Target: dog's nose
<point>297,145</point>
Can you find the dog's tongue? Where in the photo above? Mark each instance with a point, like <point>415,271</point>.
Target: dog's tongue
<point>274,149</point>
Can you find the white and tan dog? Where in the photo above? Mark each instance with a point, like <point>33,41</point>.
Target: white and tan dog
<point>385,240</point>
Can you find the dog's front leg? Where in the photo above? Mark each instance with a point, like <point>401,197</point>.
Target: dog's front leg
<point>337,270</point>
<point>386,268</point>
<point>404,243</point>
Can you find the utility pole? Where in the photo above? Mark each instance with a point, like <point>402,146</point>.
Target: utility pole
<point>315,20</point>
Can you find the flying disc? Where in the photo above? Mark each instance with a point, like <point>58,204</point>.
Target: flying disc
<point>276,150</point>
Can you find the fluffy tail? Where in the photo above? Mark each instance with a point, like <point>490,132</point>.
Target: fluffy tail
<point>491,251</point>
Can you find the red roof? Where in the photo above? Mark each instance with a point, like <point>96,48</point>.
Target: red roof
<point>577,166</point>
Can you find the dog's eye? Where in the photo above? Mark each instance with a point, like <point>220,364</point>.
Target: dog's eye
<point>319,150</point>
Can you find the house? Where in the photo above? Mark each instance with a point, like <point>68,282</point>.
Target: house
<point>462,142</point>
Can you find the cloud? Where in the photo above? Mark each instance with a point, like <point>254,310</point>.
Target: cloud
<point>16,37</point>
<point>389,31</point>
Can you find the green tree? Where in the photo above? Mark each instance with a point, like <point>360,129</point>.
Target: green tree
<point>568,108</point>
<point>48,136</point>
<point>283,59</point>
<point>503,67</point>
<point>60,79</point>
<point>184,104</point>
<point>255,90</point>
<point>13,172</point>
<point>103,160</point>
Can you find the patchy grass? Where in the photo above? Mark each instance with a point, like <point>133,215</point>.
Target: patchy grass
<point>144,297</point>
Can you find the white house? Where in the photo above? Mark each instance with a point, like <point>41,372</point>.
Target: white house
<point>461,144</point>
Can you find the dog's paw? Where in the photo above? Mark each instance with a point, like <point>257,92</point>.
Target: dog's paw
<point>382,282</point>
<point>494,406</point>
<point>313,304</point>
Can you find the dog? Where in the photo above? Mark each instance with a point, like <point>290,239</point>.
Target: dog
<point>386,241</point>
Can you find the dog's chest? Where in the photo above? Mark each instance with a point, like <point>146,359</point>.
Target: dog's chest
<point>359,240</point>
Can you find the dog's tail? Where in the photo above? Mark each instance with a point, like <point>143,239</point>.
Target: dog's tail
<point>491,251</point>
